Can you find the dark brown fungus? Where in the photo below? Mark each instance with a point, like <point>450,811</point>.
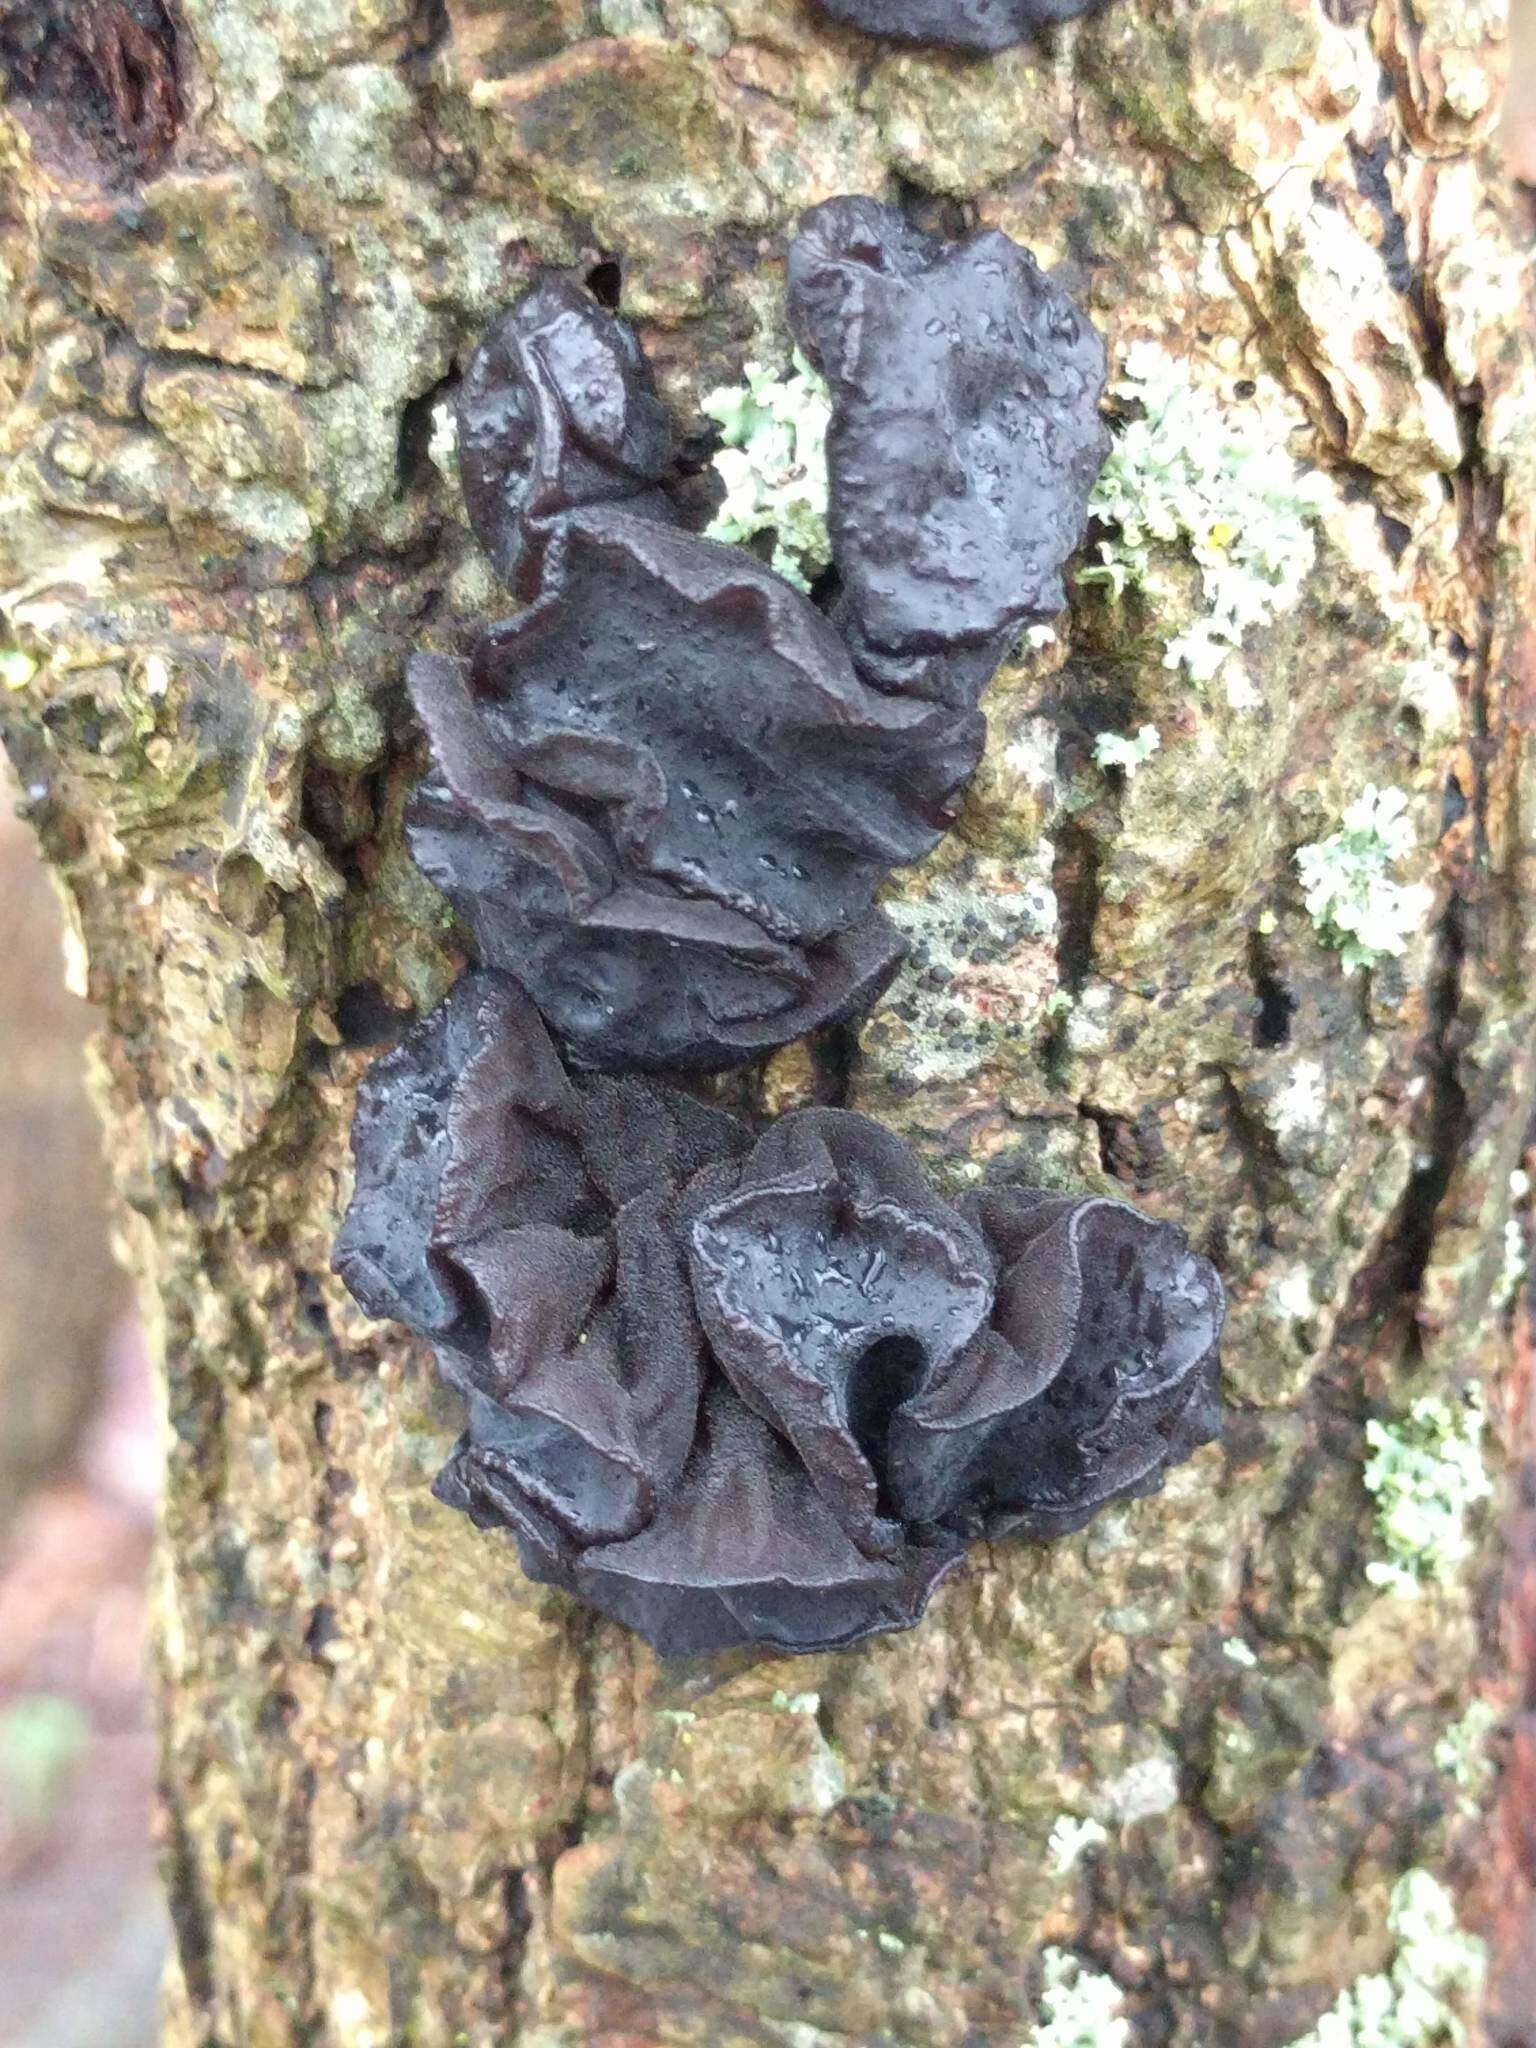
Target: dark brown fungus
<point>643,982</point>
<point>557,410</point>
<point>957,24</point>
<point>735,1388</point>
<point>1097,1370</point>
<point>732,1392</point>
<point>833,1283</point>
<point>665,800</point>
<point>964,441</point>
<point>1016,1360</point>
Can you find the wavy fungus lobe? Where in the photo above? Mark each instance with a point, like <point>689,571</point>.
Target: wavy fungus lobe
<point>663,798</point>
<point>964,441</point>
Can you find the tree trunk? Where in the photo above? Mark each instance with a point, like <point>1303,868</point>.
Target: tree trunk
<point>409,1797</point>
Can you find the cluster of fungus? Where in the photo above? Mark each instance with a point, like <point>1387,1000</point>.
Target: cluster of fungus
<point>738,1389</point>
<point>734,1385</point>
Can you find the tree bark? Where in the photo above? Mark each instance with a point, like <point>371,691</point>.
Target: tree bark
<point>408,1797</point>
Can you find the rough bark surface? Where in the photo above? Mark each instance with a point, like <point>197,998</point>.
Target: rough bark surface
<point>408,1797</point>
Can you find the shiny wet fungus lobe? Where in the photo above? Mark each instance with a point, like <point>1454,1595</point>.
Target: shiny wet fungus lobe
<point>965,433</point>
<point>979,25</point>
<point>668,789</point>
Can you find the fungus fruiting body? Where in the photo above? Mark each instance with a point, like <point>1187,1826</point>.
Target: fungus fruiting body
<point>733,1384</point>
<point>981,25</point>
<point>666,791</point>
<point>680,796</point>
<point>965,438</point>
<point>733,1388</point>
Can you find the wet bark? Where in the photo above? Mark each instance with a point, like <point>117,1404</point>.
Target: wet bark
<point>407,1797</point>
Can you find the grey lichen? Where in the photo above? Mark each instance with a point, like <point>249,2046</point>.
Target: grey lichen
<point>1427,1474</point>
<point>774,465</point>
<point>1070,1839</point>
<point>1143,1790</point>
<point>1127,751</point>
<point>1514,1269</point>
<point>1351,894</point>
<point>1180,475</point>
<point>1080,2008</point>
<point>1431,1987</point>
<point>1463,1754</point>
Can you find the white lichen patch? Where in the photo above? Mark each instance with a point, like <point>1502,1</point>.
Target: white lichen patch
<point>1070,1839</point>
<point>1031,753</point>
<point>1351,894</point>
<point>808,1703</point>
<point>1079,2007</point>
<point>1462,1753</point>
<point>1427,1474</point>
<point>1515,1266</point>
<point>1291,1296</point>
<point>1142,1792</point>
<point>1088,1015</point>
<point>1183,475</point>
<point>774,466</point>
<point>443,441</point>
<point>1432,1987</point>
<point>1300,1104</point>
<point>17,668</point>
<point>1127,750</point>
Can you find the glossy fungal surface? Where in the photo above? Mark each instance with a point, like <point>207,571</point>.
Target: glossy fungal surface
<point>666,791</point>
<point>980,25</point>
<point>664,797</point>
<point>965,436</point>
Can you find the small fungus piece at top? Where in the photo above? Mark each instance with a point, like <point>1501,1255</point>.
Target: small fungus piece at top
<point>957,24</point>
<point>739,1389</point>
